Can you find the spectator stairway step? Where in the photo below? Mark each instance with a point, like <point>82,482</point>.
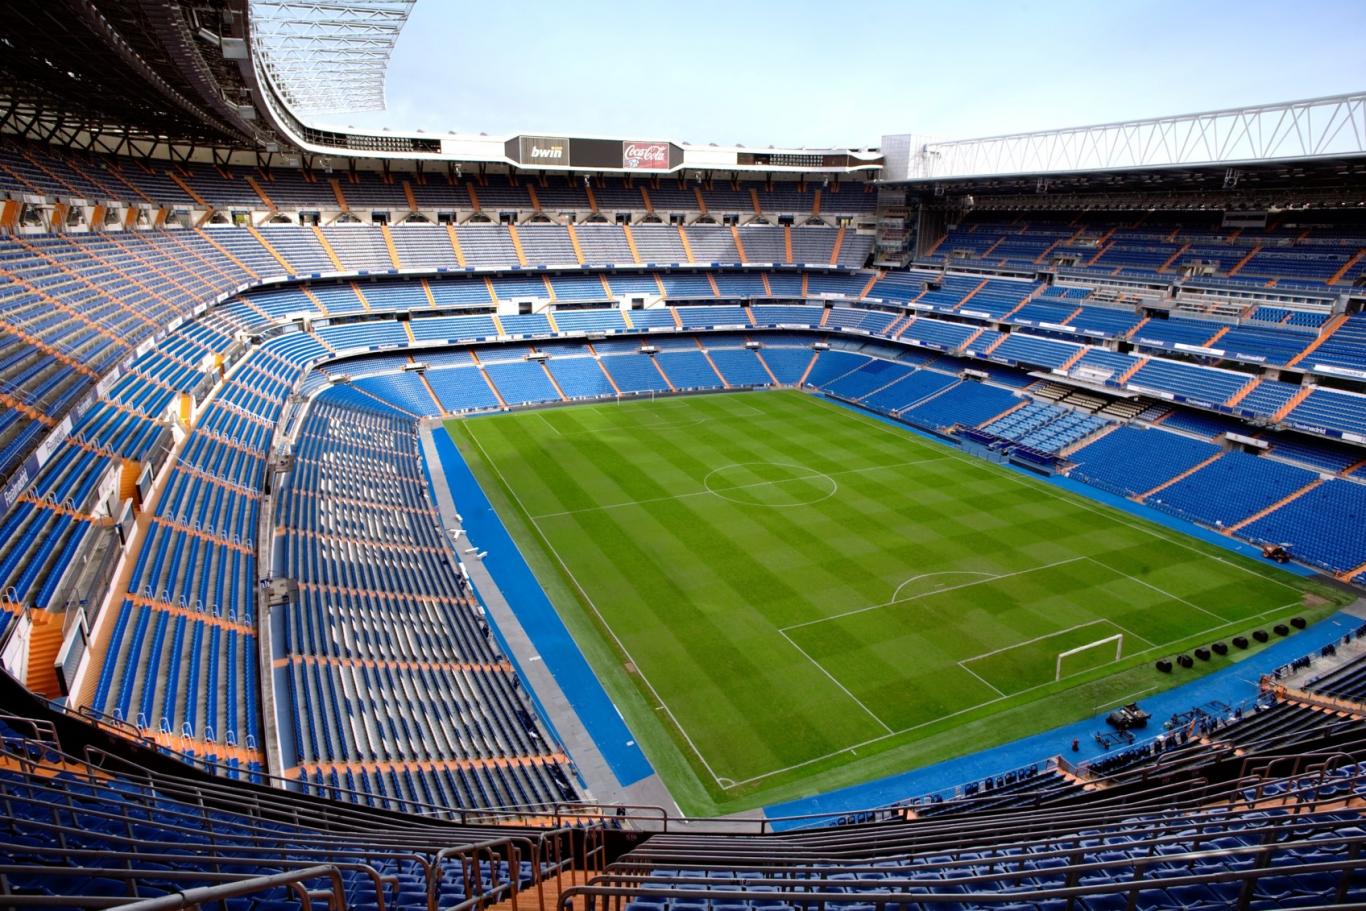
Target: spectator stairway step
<point>1181,477</point>
<point>1245,260</point>
<point>1347,267</point>
<point>517,245</point>
<point>45,641</point>
<point>1291,404</point>
<point>327,248</point>
<point>340,196</point>
<point>1243,393</point>
<point>251,182</point>
<point>1324,334</point>
<point>389,245</point>
<point>683,237</point>
<point>739,248</point>
<point>574,242</point>
<point>1283,501</point>
<point>631,240</point>
<point>279,258</point>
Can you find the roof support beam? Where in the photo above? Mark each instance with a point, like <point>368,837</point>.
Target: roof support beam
<point>1328,127</point>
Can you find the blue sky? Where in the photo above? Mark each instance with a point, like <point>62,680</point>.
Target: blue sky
<point>821,73</point>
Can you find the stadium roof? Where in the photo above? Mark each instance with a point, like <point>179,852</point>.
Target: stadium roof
<point>136,71</point>
<point>328,56</point>
<point>178,78</point>
<point>1311,129</point>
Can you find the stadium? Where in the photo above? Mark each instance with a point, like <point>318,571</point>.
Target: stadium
<point>400,519</point>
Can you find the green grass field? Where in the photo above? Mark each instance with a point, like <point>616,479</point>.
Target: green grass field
<point>784,596</point>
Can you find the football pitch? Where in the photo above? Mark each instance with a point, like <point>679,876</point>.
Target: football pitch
<point>783,595</point>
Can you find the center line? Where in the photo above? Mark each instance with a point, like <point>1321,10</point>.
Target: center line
<point>702,493</point>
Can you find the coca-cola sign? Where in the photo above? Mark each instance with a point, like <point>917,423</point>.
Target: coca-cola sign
<point>645,156</point>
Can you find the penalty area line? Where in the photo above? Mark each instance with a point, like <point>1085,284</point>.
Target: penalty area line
<point>937,591</point>
<point>1056,632</point>
<point>820,667</point>
<point>993,686</point>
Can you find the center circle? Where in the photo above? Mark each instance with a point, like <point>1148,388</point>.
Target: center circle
<point>774,484</point>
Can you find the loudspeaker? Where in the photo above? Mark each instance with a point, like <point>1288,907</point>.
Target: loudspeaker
<point>1281,629</point>
<point>1202,653</point>
<point>1219,648</point>
<point>1298,622</point>
<point>1240,641</point>
<point>1260,635</point>
<point>1164,665</point>
<point>1185,661</point>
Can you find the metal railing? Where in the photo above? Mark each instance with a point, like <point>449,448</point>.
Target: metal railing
<point>226,886</point>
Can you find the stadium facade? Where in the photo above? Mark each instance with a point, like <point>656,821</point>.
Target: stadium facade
<point>271,636</point>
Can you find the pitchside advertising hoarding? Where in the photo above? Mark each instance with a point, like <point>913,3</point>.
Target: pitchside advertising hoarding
<point>589,154</point>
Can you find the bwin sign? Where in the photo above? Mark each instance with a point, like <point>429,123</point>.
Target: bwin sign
<point>546,150</point>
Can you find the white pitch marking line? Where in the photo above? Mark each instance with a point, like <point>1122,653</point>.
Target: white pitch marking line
<point>914,727</point>
<point>545,539</point>
<point>820,667</point>
<point>1128,632</point>
<point>653,425</point>
<point>937,591</point>
<point>1129,697</point>
<point>636,428</point>
<point>980,677</point>
<point>702,493</point>
<point>1162,592</point>
<point>1077,500</point>
<point>1059,632</point>
<point>834,488</point>
<point>905,437</point>
<point>948,572</point>
<point>547,423</point>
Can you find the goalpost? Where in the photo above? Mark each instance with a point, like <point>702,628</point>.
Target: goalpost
<point>1117,639</point>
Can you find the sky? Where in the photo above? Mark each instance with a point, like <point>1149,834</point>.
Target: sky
<point>825,73</point>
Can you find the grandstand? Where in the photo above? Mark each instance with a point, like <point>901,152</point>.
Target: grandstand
<point>415,520</point>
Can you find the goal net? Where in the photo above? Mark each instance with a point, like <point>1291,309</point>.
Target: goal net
<point>1117,639</point>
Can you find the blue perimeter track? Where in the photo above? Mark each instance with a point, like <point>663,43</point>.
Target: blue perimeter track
<point>541,621</point>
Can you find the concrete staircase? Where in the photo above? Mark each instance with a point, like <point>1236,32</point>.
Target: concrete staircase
<point>549,897</point>
<point>45,643</point>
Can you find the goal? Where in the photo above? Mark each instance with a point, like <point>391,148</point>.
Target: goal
<point>1117,639</point>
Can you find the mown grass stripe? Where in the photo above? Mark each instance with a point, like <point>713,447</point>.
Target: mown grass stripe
<point>699,587</point>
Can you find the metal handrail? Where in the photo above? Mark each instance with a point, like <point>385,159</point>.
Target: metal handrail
<point>361,816</point>
<point>228,886</point>
<point>197,898</point>
<point>655,815</point>
<point>378,880</point>
<point>644,863</point>
<point>1006,827</point>
<point>924,895</point>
